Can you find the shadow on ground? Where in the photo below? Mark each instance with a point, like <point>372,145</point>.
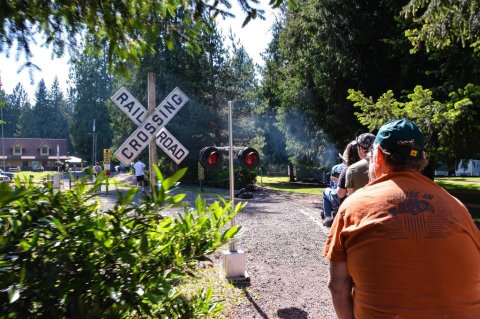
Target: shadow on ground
<point>292,313</point>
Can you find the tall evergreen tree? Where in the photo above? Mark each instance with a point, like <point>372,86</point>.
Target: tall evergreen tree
<point>60,113</point>
<point>43,115</point>
<point>15,103</point>
<point>199,75</point>
<point>327,47</point>
<point>92,85</point>
<point>275,152</point>
<point>241,86</point>
<point>35,122</point>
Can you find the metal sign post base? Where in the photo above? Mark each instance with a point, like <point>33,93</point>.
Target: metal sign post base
<point>233,259</point>
<point>234,265</point>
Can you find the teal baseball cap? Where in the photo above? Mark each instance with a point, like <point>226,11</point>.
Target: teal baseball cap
<point>402,130</point>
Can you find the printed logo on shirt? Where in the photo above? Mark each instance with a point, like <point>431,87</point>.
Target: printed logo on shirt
<point>412,206</point>
<point>411,203</point>
<point>415,216</point>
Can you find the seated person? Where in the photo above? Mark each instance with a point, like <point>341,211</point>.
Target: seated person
<point>357,173</point>
<point>330,198</point>
<point>350,157</point>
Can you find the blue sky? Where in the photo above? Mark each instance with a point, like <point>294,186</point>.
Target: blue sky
<point>254,37</point>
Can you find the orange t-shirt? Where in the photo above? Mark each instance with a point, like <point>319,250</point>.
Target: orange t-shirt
<point>412,250</point>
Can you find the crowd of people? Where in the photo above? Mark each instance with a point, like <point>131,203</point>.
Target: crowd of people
<point>399,245</point>
<point>348,176</point>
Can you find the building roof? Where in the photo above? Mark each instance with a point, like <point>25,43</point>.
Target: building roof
<point>31,146</point>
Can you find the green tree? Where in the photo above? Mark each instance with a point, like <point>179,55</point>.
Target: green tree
<point>448,125</point>
<point>324,48</point>
<point>92,86</point>
<point>210,77</point>
<point>15,103</point>
<point>43,114</point>
<point>34,121</point>
<point>60,113</point>
<point>46,119</point>
<point>443,23</point>
<point>24,108</point>
<point>116,29</point>
<point>274,150</point>
<point>242,88</point>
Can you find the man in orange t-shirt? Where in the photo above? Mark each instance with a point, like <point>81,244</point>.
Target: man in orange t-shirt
<point>402,247</point>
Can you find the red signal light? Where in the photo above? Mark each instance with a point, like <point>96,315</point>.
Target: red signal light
<point>248,158</point>
<point>213,158</point>
<point>210,158</point>
<point>251,158</point>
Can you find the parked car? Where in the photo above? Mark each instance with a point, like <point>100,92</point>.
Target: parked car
<point>123,168</point>
<point>9,174</point>
<point>4,178</point>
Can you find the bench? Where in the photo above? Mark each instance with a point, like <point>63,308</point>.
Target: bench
<point>14,169</point>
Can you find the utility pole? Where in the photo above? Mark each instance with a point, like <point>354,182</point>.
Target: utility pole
<point>94,160</point>
<point>233,259</point>
<point>152,148</point>
<point>1,118</point>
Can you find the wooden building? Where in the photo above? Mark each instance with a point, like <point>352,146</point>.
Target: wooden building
<point>32,153</point>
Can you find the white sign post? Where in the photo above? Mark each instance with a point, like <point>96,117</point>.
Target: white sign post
<point>151,126</point>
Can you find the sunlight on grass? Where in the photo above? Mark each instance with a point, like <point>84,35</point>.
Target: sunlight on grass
<point>210,275</point>
<point>464,183</point>
<point>281,183</point>
<point>37,176</point>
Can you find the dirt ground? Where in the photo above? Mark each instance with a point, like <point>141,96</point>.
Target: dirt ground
<point>283,242</point>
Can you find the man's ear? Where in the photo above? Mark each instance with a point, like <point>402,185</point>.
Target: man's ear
<point>380,157</point>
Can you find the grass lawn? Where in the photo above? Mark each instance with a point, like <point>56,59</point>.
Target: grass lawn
<point>468,186</point>
<point>37,176</point>
<point>281,183</point>
<point>460,183</point>
<point>467,189</point>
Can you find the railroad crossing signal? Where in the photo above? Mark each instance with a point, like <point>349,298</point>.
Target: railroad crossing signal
<point>151,126</point>
<point>211,157</point>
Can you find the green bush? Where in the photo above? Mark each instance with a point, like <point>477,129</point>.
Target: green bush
<point>63,257</point>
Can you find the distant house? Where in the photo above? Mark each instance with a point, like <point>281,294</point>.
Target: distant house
<point>471,169</point>
<point>441,170</point>
<point>32,153</point>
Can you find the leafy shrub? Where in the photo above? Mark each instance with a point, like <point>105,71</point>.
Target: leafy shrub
<point>61,256</point>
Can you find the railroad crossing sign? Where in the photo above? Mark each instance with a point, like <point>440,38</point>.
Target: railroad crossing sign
<point>151,126</point>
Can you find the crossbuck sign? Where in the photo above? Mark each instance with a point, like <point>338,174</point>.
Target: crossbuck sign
<point>151,126</point>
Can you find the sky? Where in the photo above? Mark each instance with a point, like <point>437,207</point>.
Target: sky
<point>255,37</point>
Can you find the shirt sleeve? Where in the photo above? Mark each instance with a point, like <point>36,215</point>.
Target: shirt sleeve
<point>334,249</point>
<point>341,178</point>
<point>349,179</point>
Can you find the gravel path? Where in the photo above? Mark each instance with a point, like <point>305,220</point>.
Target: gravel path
<point>283,239</point>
